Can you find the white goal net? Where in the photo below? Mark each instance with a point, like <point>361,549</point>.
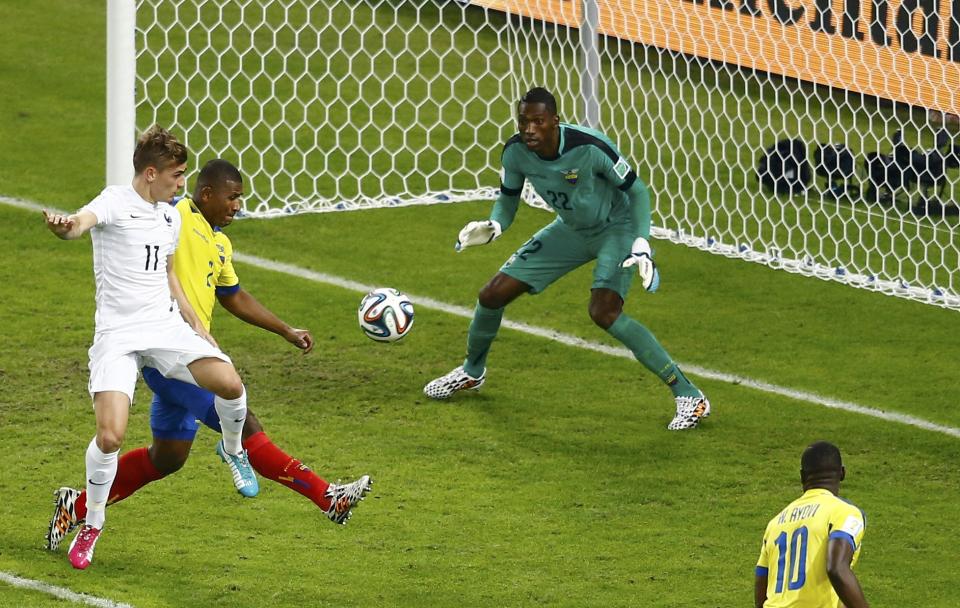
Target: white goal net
<point>343,104</point>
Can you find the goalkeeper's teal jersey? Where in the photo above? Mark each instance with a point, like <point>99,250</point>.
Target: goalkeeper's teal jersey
<point>586,183</point>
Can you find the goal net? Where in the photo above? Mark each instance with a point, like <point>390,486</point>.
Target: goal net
<point>340,104</point>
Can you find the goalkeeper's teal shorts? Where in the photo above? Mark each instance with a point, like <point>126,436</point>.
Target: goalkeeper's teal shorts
<point>558,249</point>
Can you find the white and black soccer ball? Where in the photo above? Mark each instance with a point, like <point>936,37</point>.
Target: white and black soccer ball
<point>385,315</point>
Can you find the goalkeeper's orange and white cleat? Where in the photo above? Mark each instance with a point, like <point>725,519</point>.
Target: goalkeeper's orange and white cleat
<point>448,384</point>
<point>690,411</point>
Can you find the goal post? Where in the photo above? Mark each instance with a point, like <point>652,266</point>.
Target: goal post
<point>336,105</point>
<point>121,86</point>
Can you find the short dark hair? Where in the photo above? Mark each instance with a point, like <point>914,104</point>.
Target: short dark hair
<point>540,95</point>
<point>820,458</point>
<point>156,147</point>
<point>216,172</point>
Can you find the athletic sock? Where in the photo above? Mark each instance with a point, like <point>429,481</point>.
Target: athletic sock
<point>101,471</point>
<point>134,470</point>
<point>483,329</point>
<point>648,351</point>
<point>232,413</point>
<point>273,463</point>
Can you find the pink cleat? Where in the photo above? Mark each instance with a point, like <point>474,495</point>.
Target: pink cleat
<point>81,549</point>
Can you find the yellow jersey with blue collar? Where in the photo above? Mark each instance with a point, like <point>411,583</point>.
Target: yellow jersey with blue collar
<point>794,551</point>
<point>204,261</point>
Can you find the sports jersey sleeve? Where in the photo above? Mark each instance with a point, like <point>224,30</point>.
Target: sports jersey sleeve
<point>511,185</point>
<point>639,196</point>
<point>614,168</point>
<point>763,563</point>
<point>101,208</point>
<point>228,282</point>
<point>617,170</point>
<point>848,524</point>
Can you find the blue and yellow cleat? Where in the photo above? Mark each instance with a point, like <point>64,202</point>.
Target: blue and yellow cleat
<point>244,479</point>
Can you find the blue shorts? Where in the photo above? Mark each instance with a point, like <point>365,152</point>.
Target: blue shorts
<point>178,406</point>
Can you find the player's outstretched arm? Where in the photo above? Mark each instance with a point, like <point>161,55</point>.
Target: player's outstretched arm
<point>844,581</point>
<point>69,227</point>
<point>639,196</point>
<point>640,254</point>
<point>245,307</point>
<point>486,231</point>
<point>478,233</point>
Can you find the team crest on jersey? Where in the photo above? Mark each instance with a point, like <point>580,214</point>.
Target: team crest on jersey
<point>622,168</point>
<point>222,253</point>
<point>571,176</point>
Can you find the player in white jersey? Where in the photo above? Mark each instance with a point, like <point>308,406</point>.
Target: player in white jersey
<point>142,317</point>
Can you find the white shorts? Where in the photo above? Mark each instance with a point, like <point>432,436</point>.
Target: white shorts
<point>117,356</point>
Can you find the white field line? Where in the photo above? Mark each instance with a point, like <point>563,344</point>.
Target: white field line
<point>60,592</point>
<point>574,341</point>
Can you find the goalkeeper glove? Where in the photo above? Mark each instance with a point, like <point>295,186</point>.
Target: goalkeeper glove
<point>478,233</point>
<point>641,257</point>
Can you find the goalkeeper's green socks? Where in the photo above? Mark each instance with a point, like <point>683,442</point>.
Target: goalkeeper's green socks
<point>648,351</point>
<point>483,329</point>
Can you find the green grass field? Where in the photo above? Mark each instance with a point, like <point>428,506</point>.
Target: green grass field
<point>557,484</point>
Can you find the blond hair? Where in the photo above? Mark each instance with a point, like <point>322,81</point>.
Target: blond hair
<point>156,147</point>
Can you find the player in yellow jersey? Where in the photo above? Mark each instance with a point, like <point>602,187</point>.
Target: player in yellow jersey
<point>205,270</point>
<point>810,547</point>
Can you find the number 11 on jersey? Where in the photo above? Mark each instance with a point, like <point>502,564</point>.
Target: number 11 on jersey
<point>155,255</point>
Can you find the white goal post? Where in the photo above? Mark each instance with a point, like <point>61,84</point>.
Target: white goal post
<point>343,104</point>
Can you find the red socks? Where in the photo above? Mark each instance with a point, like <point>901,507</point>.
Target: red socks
<point>273,463</point>
<point>134,470</point>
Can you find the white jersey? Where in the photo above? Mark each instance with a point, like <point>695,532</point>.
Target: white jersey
<point>131,242</point>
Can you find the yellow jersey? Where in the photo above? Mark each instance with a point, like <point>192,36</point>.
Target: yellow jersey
<point>203,261</point>
<point>794,551</point>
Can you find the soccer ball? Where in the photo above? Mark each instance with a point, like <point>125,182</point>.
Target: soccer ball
<point>385,315</point>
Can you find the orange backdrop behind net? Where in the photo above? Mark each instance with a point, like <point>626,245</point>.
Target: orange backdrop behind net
<point>916,62</point>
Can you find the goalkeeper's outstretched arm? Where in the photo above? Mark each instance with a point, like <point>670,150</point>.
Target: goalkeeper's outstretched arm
<point>487,231</point>
<point>640,254</point>
<point>639,195</point>
<point>511,187</point>
<point>505,209</point>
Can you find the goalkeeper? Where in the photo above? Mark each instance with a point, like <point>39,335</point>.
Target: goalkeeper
<point>603,214</point>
